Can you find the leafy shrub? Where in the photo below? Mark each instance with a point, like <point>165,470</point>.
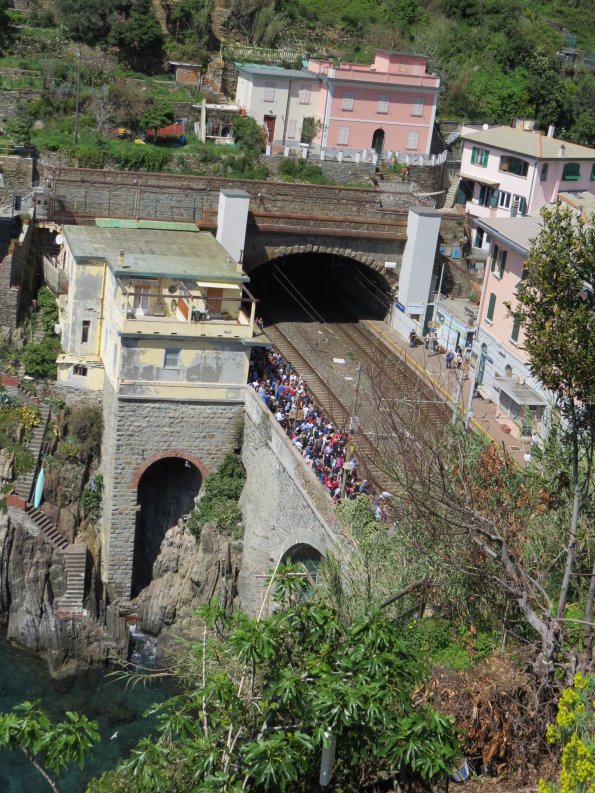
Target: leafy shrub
<point>40,359</point>
<point>92,495</point>
<point>219,503</point>
<point>89,156</point>
<point>85,427</point>
<point>294,169</point>
<point>49,309</point>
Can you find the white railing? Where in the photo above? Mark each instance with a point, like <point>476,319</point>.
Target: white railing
<point>269,54</point>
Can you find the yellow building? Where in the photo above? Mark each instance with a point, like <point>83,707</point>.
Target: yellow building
<point>159,309</point>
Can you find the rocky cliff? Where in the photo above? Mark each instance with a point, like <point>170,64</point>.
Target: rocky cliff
<point>32,577</point>
<point>185,574</point>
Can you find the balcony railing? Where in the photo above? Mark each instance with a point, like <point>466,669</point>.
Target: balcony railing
<point>183,313</point>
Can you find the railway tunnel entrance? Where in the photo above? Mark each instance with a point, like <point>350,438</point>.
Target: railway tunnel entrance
<point>319,287</point>
<point>166,492</point>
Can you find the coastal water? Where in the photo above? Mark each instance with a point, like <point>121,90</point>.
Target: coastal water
<point>118,710</point>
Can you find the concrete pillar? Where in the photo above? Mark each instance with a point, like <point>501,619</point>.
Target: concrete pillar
<point>203,120</point>
<point>286,151</point>
<point>232,219</point>
<point>417,266</point>
<point>268,150</point>
<point>358,156</point>
<point>322,154</point>
<point>340,156</point>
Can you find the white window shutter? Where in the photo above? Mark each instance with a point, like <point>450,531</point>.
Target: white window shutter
<point>269,92</point>
<point>412,140</point>
<point>291,128</point>
<point>418,106</point>
<point>304,95</point>
<point>383,101</point>
<point>343,136</point>
<point>348,99</point>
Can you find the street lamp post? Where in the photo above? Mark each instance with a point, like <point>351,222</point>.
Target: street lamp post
<point>78,87</point>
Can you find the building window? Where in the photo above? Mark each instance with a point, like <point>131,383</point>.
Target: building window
<point>519,205</point>
<point>516,327</point>
<point>503,199</point>
<point>544,171</point>
<point>479,156</point>
<point>488,196</point>
<point>412,140</point>
<point>85,332</point>
<point>79,369</point>
<point>572,172</point>
<point>291,128</point>
<point>593,172</point>
<point>304,95</point>
<point>491,307</point>
<point>171,358</point>
<point>514,165</point>
<point>383,100</point>
<point>417,108</point>
<point>343,136</point>
<point>348,99</point>
<point>269,92</point>
<point>498,261</point>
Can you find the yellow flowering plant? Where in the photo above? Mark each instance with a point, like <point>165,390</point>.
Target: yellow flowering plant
<point>575,730</point>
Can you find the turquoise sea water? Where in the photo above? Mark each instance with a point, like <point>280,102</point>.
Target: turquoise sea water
<point>116,708</point>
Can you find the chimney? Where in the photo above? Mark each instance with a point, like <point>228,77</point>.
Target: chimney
<point>551,131</point>
<point>562,151</point>
<point>121,259</point>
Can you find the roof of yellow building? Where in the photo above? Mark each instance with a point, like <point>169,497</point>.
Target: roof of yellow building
<point>152,253</point>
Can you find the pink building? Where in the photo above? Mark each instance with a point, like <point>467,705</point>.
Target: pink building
<point>389,105</point>
<point>502,363</point>
<point>507,172</point>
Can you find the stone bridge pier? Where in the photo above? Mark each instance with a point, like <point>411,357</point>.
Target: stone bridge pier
<point>285,510</point>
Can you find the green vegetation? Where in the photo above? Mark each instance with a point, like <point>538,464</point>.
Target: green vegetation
<point>262,698</point>
<point>296,169</point>
<point>39,358</point>
<point>49,746</point>
<point>575,731</point>
<point>92,495</point>
<point>218,504</point>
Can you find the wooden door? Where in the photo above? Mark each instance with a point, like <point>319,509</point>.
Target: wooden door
<point>214,300</point>
<point>269,123</point>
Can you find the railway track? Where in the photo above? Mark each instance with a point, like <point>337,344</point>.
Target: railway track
<point>366,452</point>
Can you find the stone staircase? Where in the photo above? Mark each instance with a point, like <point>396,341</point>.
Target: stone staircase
<point>451,194</point>
<point>75,563</point>
<point>47,528</point>
<point>24,484</point>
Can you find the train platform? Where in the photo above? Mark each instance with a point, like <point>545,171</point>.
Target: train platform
<point>432,366</point>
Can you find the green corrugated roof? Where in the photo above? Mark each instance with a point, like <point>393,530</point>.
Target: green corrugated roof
<point>128,223</point>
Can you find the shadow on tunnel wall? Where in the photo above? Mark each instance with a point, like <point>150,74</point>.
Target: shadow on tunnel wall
<point>166,492</point>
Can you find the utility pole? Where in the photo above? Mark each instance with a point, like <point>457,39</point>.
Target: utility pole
<point>78,88</point>
<point>457,399</point>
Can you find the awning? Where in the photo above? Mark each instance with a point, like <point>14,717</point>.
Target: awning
<point>519,392</point>
<point>218,285</point>
<point>480,179</point>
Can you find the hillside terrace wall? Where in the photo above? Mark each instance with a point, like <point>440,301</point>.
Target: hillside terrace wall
<point>16,278</point>
<point>17,173</point>
<point>102,193</point>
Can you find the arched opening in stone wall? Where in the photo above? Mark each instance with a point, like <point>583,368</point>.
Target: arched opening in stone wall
<point>320,287</point>
<point>307,559</point>
<point>166,492</point>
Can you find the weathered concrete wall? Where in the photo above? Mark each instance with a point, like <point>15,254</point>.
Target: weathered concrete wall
<point>17,176</point>
<point>138,431</point>
<point>17,277</point>
<point>282,503</point>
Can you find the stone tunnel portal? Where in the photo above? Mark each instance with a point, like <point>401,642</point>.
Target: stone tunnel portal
<point>320,287</point>
<point>166,492</point>
<point>308,559</point>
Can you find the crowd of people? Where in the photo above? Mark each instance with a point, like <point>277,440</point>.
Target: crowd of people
<point>324,447</point>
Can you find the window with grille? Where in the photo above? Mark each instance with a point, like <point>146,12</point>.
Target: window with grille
<point>171,358</point>
<point>348,99</point>
<point>304,95</point>
<point>383,102</point>
<point>412,140</point>
<point>86,331</point>
<point>269,92</point>
<point>343,136</point>
<point>417,109</point>
<point>79,369</point>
